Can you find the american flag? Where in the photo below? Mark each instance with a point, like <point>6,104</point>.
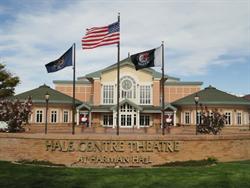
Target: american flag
<point>101,36</point>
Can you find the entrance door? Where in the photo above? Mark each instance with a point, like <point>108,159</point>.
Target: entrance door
<point>127,113</point>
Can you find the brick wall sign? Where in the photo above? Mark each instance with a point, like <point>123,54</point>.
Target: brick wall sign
<point>111,151</point>
<point>115,152</point>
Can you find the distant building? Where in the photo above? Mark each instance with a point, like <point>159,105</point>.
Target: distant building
<point>247,97</point>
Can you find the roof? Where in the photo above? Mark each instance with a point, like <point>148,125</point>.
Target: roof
<point>85,81</point>
<point>212,96</point>
<point>129,102</point>
<point>170,83</point>
<point>247,97</point>
<point>84,105</point>
<point>126,61</point>
<point>142,108</point>
<point>37,96</point>
<point>101,108</point>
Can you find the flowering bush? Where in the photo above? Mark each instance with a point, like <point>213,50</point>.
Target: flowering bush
<point>14,113</point>
<point>211,122</point>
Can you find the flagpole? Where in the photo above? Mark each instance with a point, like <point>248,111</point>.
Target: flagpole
<point>162,89</point>
<point>74,88</point>
<point>118,82</point>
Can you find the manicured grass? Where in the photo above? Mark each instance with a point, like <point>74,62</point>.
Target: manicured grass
<point>234,174</point>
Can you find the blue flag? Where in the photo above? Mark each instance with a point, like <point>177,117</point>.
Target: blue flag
<point>64,61</point>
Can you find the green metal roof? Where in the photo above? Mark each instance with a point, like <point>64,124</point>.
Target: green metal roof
<point>71,82</point>
<point>127,61</point>
<point>84,105</point>
<point>180,83</point>
<point>37,96</point>
<point>212,96</point>
<point>101,108</point>
<point>129,102</point>
<point>110,108</point>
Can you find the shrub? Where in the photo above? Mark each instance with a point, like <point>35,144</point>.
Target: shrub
<point>14,113</point>
<point>211,122</point>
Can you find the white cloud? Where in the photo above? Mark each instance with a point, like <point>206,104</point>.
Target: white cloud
<point>198,33</point>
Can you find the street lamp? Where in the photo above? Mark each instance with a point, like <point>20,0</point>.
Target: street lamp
<point>196,100</point>
<point>46,116</point>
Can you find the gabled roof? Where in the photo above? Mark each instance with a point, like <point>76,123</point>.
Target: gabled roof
<point>84,105</point>
<point>129,102</point>
<point>212,96</point>
<point>127,61</point>
<point>37,96</point>
<point>170,106</point>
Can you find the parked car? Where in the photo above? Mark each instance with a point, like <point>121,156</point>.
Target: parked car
<point>3,126</point>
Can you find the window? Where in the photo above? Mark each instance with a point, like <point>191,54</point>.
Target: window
<point>239,118</point>
<point>108,94</point>
<point>107,119</point>
<point>39,116</point>
<point>129,120</point>
<point>53,116</point>
<point>128,87</point>
<point>123,120</point>
<point>65,116</point>
<point>228,118</point>
<point>127,108</point>
<point>145,94</point>
<point>134,119</point>
<point>198,118</point>
<point>123,108</point>
<point>144,120</point>
<point>187,118</point>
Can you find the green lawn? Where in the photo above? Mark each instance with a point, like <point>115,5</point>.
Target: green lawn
<point>235,174</point>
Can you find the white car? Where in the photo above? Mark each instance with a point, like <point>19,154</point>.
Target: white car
<point>3,126</point>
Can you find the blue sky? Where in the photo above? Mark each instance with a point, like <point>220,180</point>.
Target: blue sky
<point>205,41</point>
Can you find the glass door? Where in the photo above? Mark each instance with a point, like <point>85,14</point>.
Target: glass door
<point>127,113</point>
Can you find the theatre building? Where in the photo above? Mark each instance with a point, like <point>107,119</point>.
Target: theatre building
<point>140,103</point>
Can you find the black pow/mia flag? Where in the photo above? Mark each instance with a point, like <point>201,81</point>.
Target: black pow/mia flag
<point>143,59</point>
<point>150,58</point>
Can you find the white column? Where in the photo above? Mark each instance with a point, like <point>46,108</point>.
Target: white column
<point>77,117</point>
<point>174,118</point>
<point>90,118</point>
<point>114,118</point>
<point>138,119</point>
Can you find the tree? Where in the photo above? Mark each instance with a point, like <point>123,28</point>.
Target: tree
<point>14,113</point>
<point>211,122</point>
<point>8,82</point>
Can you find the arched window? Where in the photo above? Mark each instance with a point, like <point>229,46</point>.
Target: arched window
<point>128,87</point>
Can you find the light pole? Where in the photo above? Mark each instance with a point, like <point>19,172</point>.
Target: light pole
<point>46,115</point>
<point>196,100</point>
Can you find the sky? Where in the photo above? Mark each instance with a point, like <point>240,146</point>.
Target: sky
<point>206,41</point>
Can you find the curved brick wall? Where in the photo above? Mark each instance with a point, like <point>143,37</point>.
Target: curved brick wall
<point>97,150</point>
